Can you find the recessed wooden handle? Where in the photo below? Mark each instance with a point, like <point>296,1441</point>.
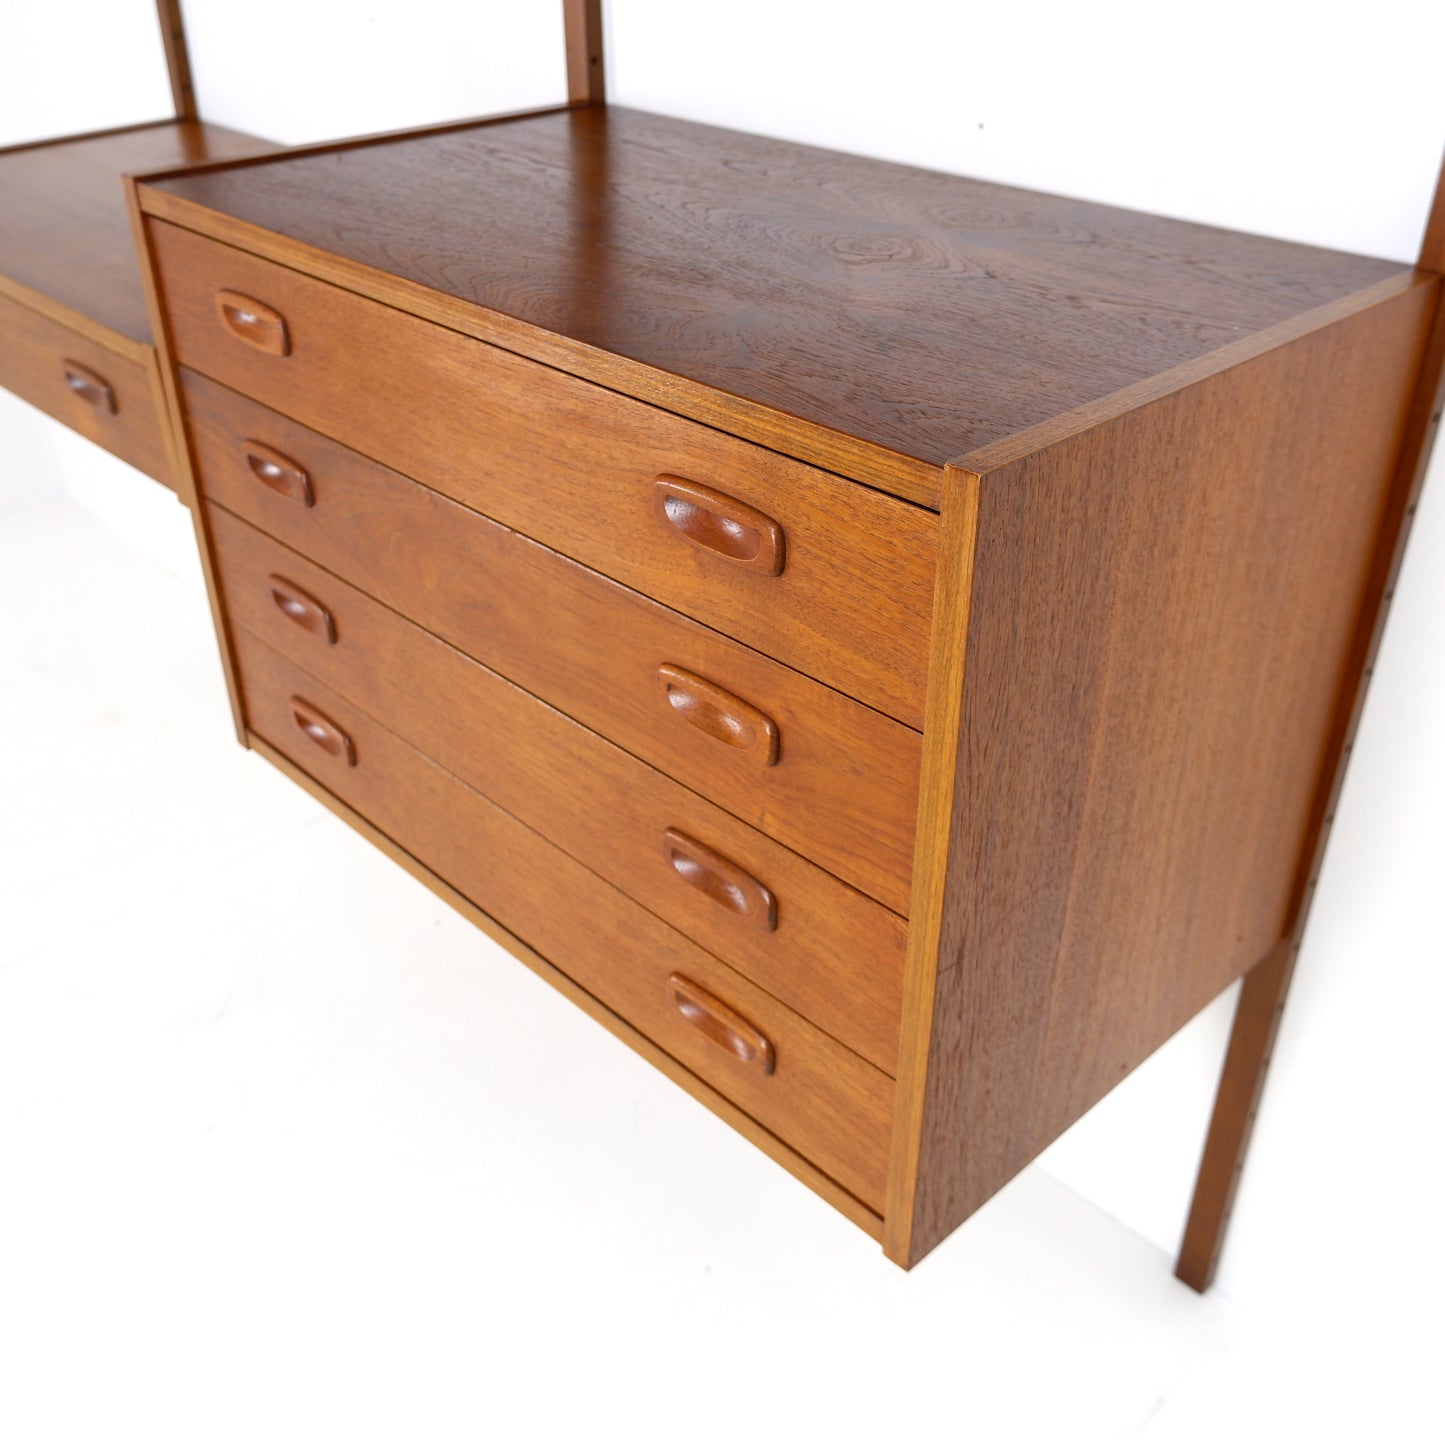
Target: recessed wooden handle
<point>720,524</point>
<point>719,714</point>
<point>720,879</point>
<point>90,386</point>
<point>712,1017</point>
<point>254,322</point>
<point>302,608</point>
<point>279,472</point>
<point>322,731</point>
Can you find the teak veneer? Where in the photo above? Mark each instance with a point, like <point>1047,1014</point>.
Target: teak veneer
<point>885,644</point>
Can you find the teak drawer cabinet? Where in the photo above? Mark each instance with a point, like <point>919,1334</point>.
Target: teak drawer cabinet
<point>884,644</point>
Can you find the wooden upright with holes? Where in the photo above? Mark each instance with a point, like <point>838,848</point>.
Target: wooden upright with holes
<point>884,644</point>
<point>1262,998</point>
<point>586,75</point>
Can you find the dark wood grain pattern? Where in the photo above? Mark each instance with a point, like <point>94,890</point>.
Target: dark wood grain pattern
<point>833,954</point>
<point>576,467</point>
<point>922,313</point>
<point>820,1097</point>
<point>1160,620</point>
<point>844,788</point>
<point>37,354</point>
<point>64,230</point>
<point>1155,388</point>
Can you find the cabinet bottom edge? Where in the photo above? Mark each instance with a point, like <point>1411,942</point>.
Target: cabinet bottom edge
<point>796,1164</point>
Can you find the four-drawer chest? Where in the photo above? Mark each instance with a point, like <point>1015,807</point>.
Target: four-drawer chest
<point>882,643</point>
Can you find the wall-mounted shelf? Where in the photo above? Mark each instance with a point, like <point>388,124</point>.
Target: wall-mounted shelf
<point>885,644</point>
<point>75,339</point>
<point>980,584</point>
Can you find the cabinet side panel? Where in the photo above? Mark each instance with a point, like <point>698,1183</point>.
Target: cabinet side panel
<point>179,452</point>
<point>1162,616</point>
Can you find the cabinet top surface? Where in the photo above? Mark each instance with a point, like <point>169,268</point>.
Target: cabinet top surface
<point>64,228</point>
<point>925,313</point>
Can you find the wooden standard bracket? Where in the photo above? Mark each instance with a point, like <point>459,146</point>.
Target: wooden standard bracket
<point>582,26</point>
<point>178,58</point>
<point>586,73</point>
<point>1266,986</point>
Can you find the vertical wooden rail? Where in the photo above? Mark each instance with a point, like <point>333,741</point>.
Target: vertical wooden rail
<point>1432,247</point>
<point>582,25</point>
<point>178,58</point>
<point>586,73</point>
<point>1266,987</point>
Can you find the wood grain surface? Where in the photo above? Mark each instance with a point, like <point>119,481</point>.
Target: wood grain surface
<point>921,313</point>
<point>1159,628</point>
<point>823,1099</point>
<point>844,789</point>
<point>64,230</point>
<point>35,353</point>
<point>834,954</point>
<point>576,466</point>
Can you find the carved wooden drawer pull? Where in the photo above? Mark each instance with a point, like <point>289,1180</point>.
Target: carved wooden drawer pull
<point>323,732</point>
<point>713,1018</point>
<point>279,472</point>
<point>254,322</point>
<point>90,386</point>
<point>719,714</point>
<point>302,608</point>
<point>720,524</point>
<point>720,879</point>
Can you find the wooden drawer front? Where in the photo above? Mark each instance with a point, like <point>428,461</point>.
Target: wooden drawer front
<point>825,949</point>
<point>821,1098</point>
<point>96,391</point>
<point>843,790</point>
<point>577,467</point>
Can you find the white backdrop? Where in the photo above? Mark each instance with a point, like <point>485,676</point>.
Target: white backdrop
<point>1320,124</point>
